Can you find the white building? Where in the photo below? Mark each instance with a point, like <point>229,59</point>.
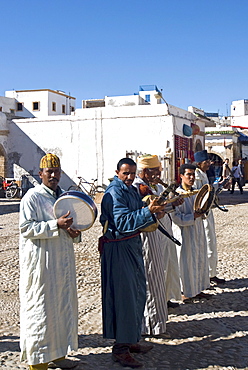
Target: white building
<point>92,140</point>
<point>41,103</point>
<point>7,105</point>
<point>239,114</point>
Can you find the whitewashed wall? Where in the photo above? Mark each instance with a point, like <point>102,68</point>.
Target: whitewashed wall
<point>129,100</point>
<point>59,99</point>
<point>91,143</point>
<point>239,108</point>
<point>7,104</point>
<point>241,122</point>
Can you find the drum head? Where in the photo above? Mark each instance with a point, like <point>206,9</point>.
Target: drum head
<point>81,207</point>
<point>204,199</point>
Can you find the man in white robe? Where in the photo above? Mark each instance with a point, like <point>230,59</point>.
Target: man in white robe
<point>201,179</point>
<point>188,228</point>
<point>48,296</point>
<point>158,253</point>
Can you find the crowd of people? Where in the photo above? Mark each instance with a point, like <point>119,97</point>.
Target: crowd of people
<point>156,253</point>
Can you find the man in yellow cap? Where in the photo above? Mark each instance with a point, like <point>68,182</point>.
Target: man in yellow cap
<point>160,257</point>
<point>48,313</point>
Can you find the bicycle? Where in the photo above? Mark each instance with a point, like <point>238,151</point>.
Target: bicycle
<point>10,188</point>
<point>27,181</point>
<point>89,188</point>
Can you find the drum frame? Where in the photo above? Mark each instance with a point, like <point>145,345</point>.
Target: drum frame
<point>82,197</point>
<point>205,189</point>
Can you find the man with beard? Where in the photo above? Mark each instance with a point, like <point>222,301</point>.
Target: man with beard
<point>160,256</point>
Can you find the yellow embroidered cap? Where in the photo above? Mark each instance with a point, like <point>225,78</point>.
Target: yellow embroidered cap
<point>49,161</point>
<point>148,161</point>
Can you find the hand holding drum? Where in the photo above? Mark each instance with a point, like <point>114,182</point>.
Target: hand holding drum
<point>73,232</point>
<point>64,222</point>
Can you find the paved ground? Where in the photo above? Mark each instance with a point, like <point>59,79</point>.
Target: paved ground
<point>207,334</point>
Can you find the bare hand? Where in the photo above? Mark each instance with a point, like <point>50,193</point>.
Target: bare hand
<point>177,202</point>
<point>197,214</point>
<point>154,207</point>
<point>160,214</point>
<point>64,221</point>
<point>73,232</point>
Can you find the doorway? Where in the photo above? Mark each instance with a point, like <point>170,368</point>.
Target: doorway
<point>218,163</point>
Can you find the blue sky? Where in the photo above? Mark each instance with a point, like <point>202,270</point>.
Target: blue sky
<point>195,50</point>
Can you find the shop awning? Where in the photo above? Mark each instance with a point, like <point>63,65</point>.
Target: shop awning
<point>243,139</point>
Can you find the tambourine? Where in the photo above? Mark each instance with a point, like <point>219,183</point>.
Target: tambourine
<point>204,199</point>
<point>82,209</point>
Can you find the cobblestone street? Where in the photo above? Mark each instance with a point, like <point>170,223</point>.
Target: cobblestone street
<point>206,334</point>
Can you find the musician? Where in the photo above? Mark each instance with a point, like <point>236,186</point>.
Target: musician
<point>188,228</point>
<point>122,266</point>
<point>48,314</point>
<point>201,179</point>
<point>159,253</point>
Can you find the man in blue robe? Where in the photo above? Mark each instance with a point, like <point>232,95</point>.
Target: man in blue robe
<point>123,275</point>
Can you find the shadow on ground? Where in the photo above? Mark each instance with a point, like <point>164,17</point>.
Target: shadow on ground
<point>9,206</point>
<point>9,343</point>
<point>225,198</point>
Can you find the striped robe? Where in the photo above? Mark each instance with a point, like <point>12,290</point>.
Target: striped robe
<point>154,254</point>
<point>172,276</point>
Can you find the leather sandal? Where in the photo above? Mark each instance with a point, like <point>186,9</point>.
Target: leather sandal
<point>126,359</point>
<point>63,364</point>
<point>140,348</point>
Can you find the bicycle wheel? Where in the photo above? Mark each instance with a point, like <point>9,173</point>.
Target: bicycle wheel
<point>75,188</point>
<point>11,191</point>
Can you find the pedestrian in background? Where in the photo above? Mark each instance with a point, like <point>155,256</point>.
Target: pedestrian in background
<point>237,176</point>
<point>226,171</point>
<point>241,169</point>
<point>211,172</point>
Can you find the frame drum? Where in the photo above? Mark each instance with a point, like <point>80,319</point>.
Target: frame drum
<point>204,199</point>
<point>81,207</point>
